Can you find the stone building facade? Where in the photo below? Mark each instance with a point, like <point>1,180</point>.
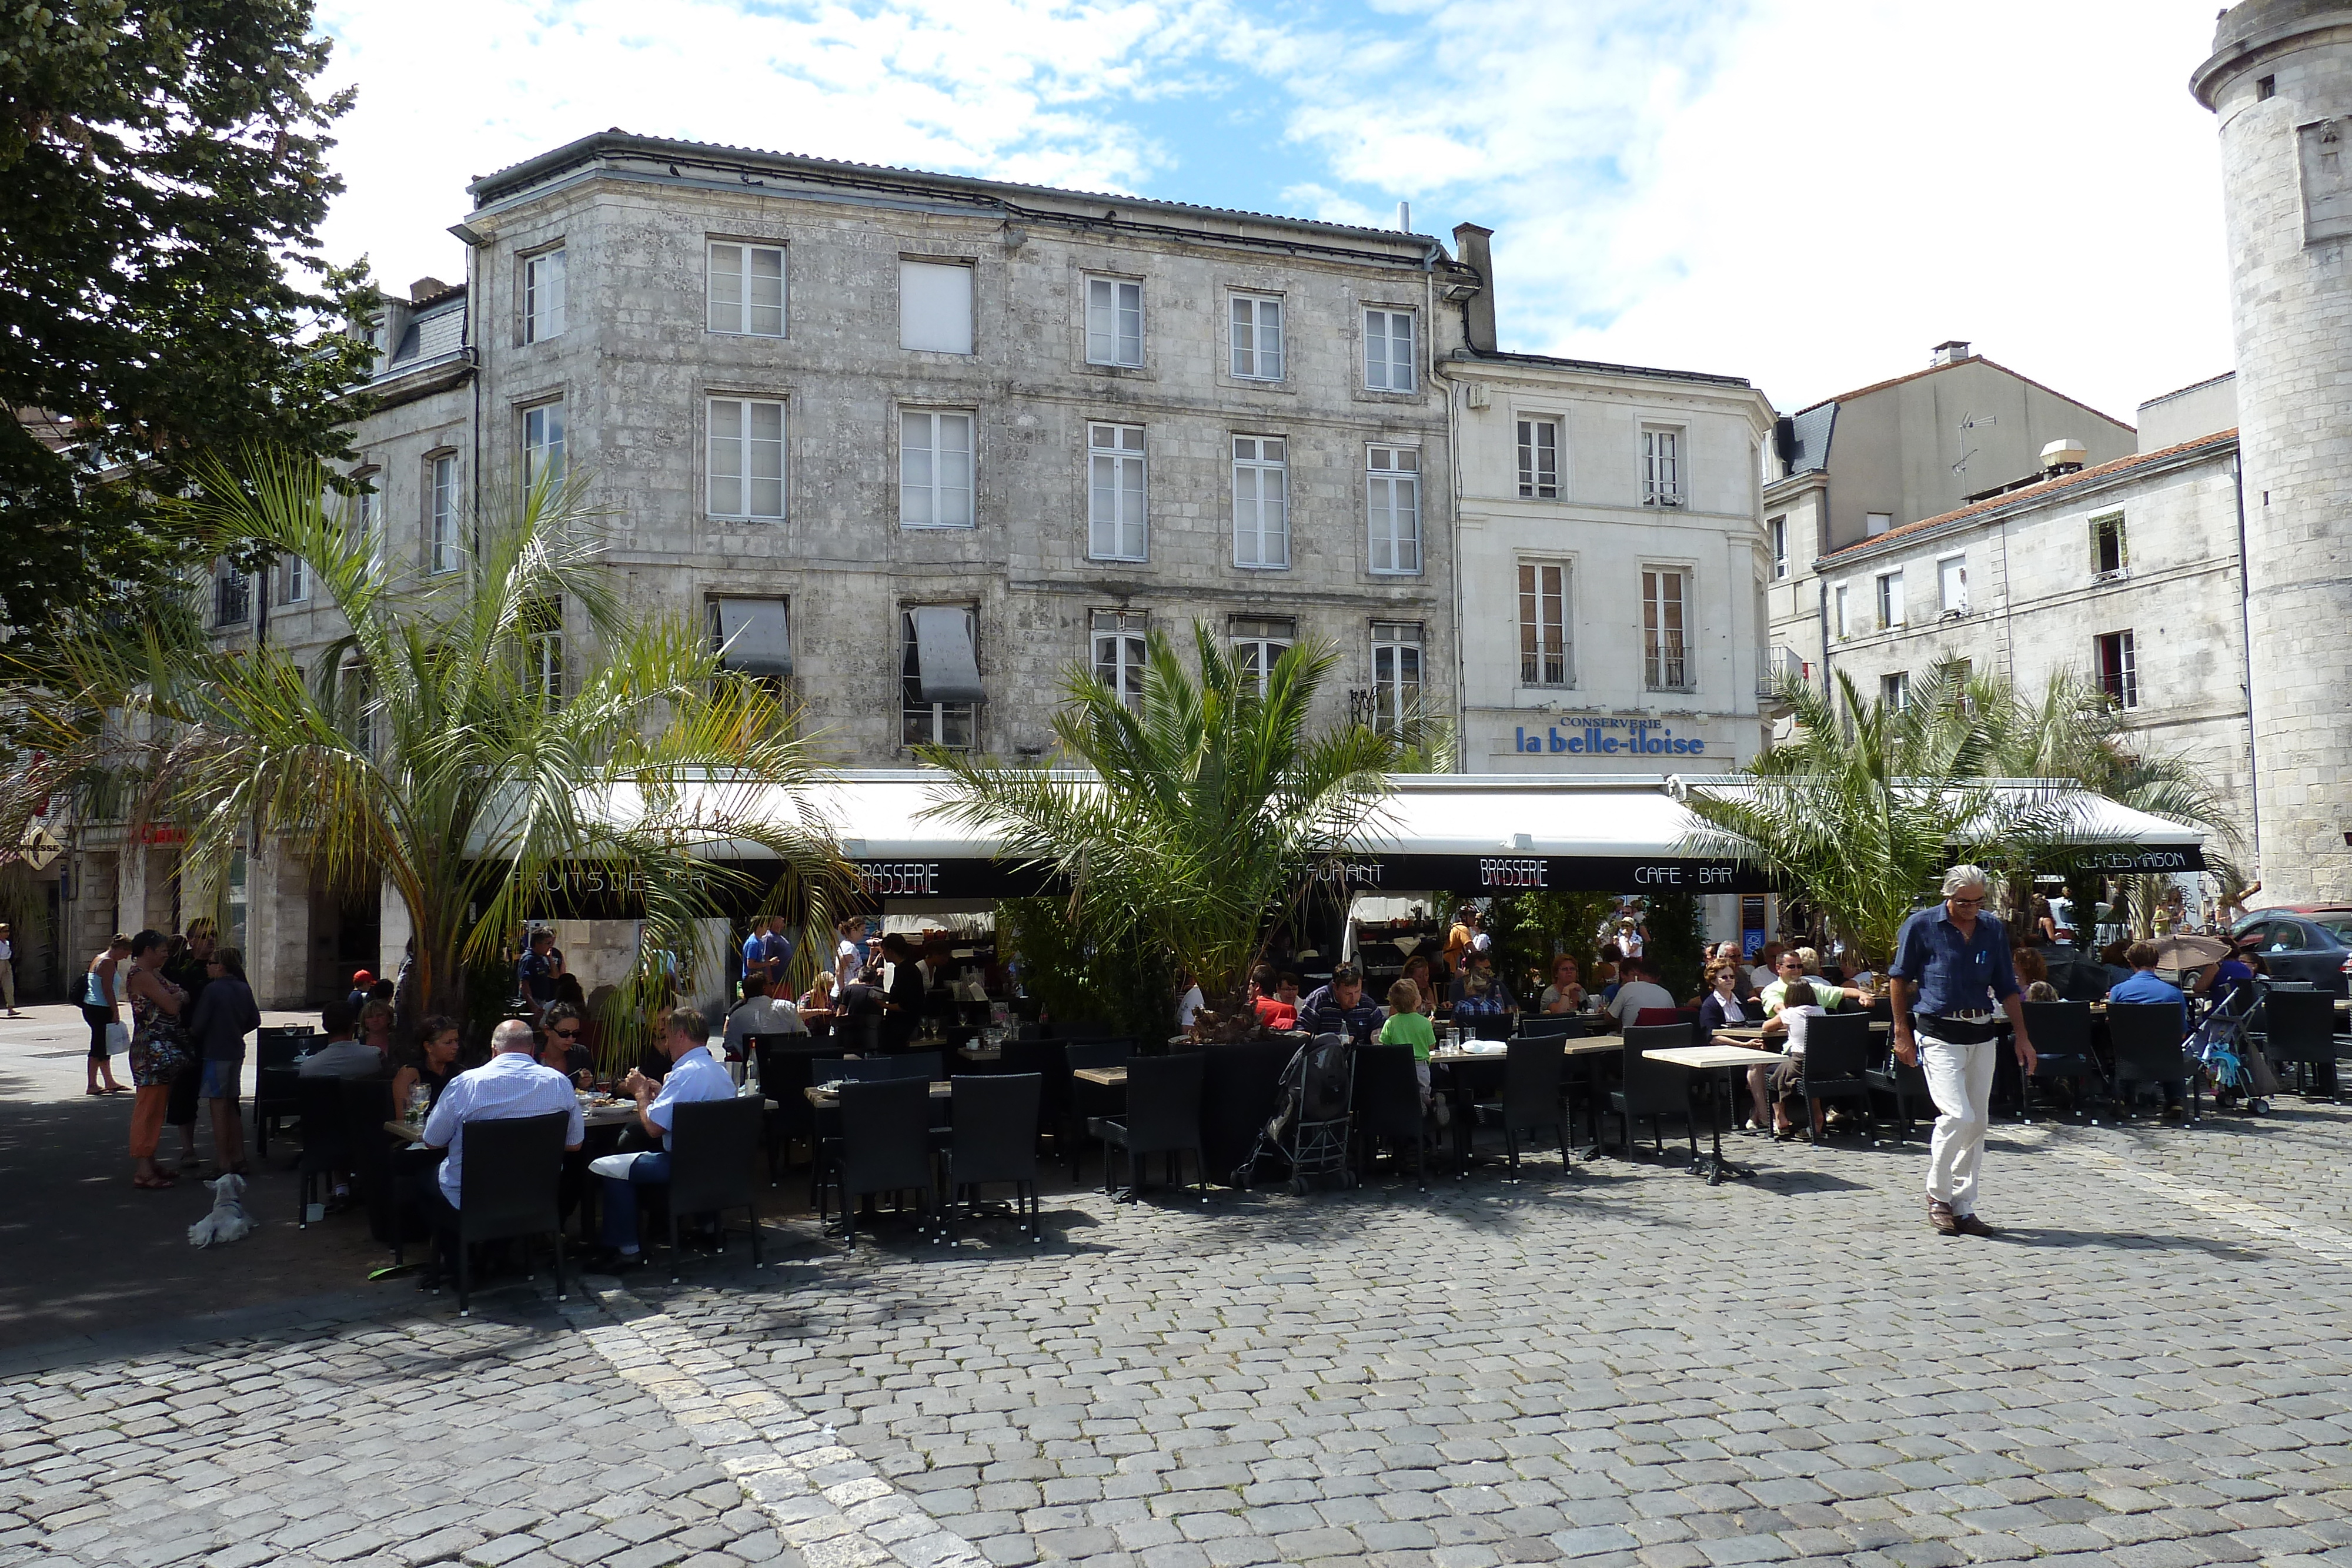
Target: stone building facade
<point>2280,82</point>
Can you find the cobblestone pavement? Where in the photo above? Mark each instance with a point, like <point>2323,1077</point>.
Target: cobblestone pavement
<point>2153,1367</point>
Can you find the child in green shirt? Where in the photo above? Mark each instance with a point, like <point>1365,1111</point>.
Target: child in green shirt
<point>1408,1025</point>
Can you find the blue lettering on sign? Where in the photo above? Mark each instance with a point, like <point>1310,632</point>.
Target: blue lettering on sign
<point>1589,738</point>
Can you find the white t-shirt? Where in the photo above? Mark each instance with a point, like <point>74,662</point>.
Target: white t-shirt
<point>1630,943</point>
<point>1187,1006</point>
<point>1634,996</point>
<point>1760,976</point>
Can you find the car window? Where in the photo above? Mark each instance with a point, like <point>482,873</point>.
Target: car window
<point>2285,936</point>
<point>2340,928</point>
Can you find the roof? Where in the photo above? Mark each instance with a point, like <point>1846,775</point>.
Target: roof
<point>1598,366</point>
<point>619,143</point>
<point>1813,428</point>
<point>1957,364</point>
<point>2192,386</point>
<point>2033,494</point>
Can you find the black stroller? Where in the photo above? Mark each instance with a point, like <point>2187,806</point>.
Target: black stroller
<point>1309,1125</point>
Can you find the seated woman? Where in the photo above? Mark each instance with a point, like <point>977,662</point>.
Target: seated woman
<point>816,1007</point>
<point>1482,1000</point>
<point>1722,1008</point>
<point>434,1062</point>
<point>1565,994</point>
<point>1416,969</point>
<point>565,1048</point>
<point>375,1028</point>
<point>1793,995</point>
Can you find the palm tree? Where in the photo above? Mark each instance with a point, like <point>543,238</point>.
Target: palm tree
<point>433,747</point>
<point>1209,812</point>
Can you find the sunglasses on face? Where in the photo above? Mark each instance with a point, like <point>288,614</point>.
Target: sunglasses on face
<point>567,1034</point>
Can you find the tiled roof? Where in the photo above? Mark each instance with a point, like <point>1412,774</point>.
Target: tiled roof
<point>2033,494</point>
<point>1956,364</point>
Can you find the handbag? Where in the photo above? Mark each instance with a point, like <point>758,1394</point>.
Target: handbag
<point>118,1038</point>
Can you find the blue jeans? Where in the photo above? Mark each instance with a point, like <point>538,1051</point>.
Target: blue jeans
<point>620,1223</point>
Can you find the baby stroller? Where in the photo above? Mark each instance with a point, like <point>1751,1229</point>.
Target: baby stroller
<point>1309,1125</point>
<point>2223,1039</point>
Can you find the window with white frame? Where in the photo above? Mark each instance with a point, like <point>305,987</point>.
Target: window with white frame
<point>542,446</point>
<point>1952,585</point>
<point>1661,466</point>
<point>1392,503</point>
<point>747,290</point>
<point>1842,611</point>
<point>1776,531</point>
<point>1114,492</point>
<point>935,307</point>
<point>1396,674</point>
<point>1388,350</point>
<point>747,459</point>
<point>938,675</point>
<point>1259,640</point>
<point>367,513</point>
<point>1544,647</point>
<point>1257,337</point>
<point>1540,459</point>
<point>542,297</point>
<point>1261,501</point>
<point>293,579</point>
<point>441,513</point>
<point>1895,690</point>
<point>545,648</point>
<point>1876,523</point>
<point>1890,599</point>
<point>2118,662</point>
<point>1665,594</point>
<point>1114,321</point>
<point>934,469</point>
<point>1121,643</point>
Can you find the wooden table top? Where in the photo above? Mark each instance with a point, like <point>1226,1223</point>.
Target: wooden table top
<point>1583,1045</point>
<point>1102,1077</point>
<point>824,1099</point>
<point>1713,1056</point>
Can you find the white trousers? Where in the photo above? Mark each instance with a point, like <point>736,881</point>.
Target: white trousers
<point>1959,1078</point>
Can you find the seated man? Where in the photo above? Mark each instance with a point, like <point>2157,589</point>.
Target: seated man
<point>2144,986</point>
<point>758,1014</point>
<point>510,1085</point>
<point>694,1074</point>
<point>1340,1008</point>
<point>1637,992</point>
<point>341,1056</point>
<point>1272,1010</point>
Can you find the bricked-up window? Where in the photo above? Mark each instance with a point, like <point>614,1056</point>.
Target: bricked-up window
<point>747,290</point>
<point>542,446</point>
<point>1388,350</point>
<point>1392,503</point>
<point>938,675</point>
<point>1257,337</point>
<point>441,513</point>
<point>1114,492</point>
<point>1114,321</point>
<point>1776,531</point>
<point>1257,642</point>
<point>934,469</point>
<point>935,307</point>
<point>747,459</point>
<point>2110,556</point>
<point>1665,597</point>
<point>1120,645</point>
<point>1396,674</point>
<point>1890,599</point>
<point>1543,623</point>
<point>1261,501</point>
<point>1895,690</point>
<point>2118,662</point>
<point>542,297</point>
<point>1540,459</point>
<point>1662,468</point>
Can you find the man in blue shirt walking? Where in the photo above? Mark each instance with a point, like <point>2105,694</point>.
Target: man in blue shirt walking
<point>1951,962</point>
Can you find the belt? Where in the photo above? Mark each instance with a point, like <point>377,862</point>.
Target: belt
<point>1960,1017</point>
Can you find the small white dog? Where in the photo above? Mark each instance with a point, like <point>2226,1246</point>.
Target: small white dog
<point>228,1221</point>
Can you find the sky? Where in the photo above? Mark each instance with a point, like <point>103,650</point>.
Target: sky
<point>1808,194</point>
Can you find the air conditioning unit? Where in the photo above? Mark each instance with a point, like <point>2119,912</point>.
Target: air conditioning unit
<point>1476,394</point>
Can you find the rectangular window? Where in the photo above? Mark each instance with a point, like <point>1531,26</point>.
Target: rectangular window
<point>935,307</point>
<point>542,446</point>
<point>1543,623</point>
<point>545,619</point>
<point>1261,501</point>
<point>1664,664</point>
<point>441,515</point>
<point>1776,531</point>
<point>1662,468</point>
<point>934,469</point>
<point>752,636</point>
<point>2118,669</point>
<point>1257,642</point>
<point>938,675</point>
<point>747,290</point>
<point>1393,501</point>
<point>1388,350</point>
<point>1890,599</point>
<point>747,459</point>
<point>1895,690</point>
<point>542,297</point>
<point>1396,674</point>
<point>367,516</point>
<point>2109,557</point>
<point>293,579</point>
<point>1876,523</point>
<point>1115,490</point>
<point>1114,321</point>
<point>1952,585</point>
<point>1120,645</point>
<point>1540,459</point>
<point>1844,615</point>
<point>1257,338</point>
<point>232,597</point>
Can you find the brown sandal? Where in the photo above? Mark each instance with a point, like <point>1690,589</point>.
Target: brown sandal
<point>154,1184</point>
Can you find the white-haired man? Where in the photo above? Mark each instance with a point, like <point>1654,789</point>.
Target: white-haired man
<point>510,1085</point>
<point>1952,965</point>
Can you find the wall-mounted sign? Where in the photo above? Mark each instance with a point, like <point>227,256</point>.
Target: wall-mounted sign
<point>1595,735</point>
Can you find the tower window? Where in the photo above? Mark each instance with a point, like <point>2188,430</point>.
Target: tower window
<point>2265,86</point>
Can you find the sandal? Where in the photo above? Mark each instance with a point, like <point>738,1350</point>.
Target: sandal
<point>154,1184</point>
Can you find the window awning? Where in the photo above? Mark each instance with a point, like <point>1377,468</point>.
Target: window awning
<point>947,669</point>
<point>754,637</point>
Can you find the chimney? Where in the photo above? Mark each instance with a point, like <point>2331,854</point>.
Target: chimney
<point>1478,311</point>
<point>1951,352</point>
<point>425,289</point>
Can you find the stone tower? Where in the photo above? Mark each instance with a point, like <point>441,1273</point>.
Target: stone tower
<point>2280,81</point>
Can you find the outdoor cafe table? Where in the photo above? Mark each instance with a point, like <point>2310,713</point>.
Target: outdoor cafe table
<point>1715,1058</point>
<point>1461,1070</point>
<point>825,1099</point>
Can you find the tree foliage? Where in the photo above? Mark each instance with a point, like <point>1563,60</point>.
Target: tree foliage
<point>162,295</point>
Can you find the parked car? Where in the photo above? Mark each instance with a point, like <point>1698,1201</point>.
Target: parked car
<point>2312,945</point>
